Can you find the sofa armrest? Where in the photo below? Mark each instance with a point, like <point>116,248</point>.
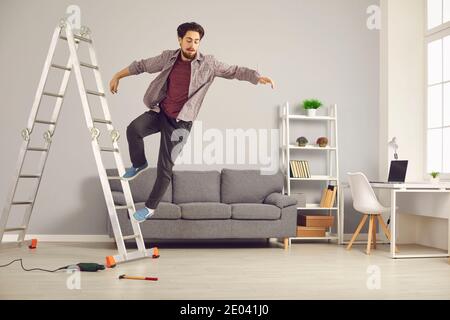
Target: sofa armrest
<point>280,200</point>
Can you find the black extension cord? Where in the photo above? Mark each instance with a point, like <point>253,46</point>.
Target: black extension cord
<point>87,267</point>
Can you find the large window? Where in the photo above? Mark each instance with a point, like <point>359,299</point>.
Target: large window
<point>438,86</point>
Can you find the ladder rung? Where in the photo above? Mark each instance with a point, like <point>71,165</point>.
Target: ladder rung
<point>45,122</point>
<point>114,178</point>
<point>60,67</point>
<point>15,229</point>
<point>77,38</point>
<point>53,94</point>
<point>82,38</point>
<point>122,207</point>
<point>38,149</point>
<point>95,93</point>
<point>29,176</point>
<point>134,236</point>
<point>102,121</point>
<point>21,202</point>
<point>87,65</point>
<point>65,38</point>
<point>109,149</point>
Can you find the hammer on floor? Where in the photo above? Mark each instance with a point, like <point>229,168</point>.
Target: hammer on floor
<point>123,276</point>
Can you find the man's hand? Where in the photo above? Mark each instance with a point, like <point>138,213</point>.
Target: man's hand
<point>114,84</point>
<point>265,80</point>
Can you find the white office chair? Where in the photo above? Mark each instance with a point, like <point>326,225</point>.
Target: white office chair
<point>366,202</point>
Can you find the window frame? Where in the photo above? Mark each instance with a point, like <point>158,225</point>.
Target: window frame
<point>431,35</point>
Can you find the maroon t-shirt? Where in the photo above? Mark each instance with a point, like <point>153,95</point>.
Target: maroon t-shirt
<point>177,87</point>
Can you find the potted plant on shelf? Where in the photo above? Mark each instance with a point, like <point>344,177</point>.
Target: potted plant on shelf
<point>434,176</point>
<point>302,142</point>
<point>311,106</point>
<point>322,142</point>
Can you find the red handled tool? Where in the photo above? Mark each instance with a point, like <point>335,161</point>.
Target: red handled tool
<point>123,276</point>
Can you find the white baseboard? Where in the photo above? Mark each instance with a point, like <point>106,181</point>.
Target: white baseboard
<point>105,238</point>
<point>61,238</point>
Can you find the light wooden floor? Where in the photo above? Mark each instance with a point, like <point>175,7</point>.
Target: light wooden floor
<point>244,270</point>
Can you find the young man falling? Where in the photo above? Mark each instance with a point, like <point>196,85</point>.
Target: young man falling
<point>174,99</point>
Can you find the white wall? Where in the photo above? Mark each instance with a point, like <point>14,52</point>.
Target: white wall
<point>402,103</point>
<point>311,48</point>
<point>402,84</point>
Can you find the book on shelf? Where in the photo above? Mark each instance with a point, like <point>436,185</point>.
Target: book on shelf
<point>293,169</point>
<point>299,169</point>
<point>328,197</point>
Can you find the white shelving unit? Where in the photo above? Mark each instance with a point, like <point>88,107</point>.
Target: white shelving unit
<point>331,154</point>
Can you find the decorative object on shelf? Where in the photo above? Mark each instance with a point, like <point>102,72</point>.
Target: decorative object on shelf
<point>316,221</point>
<point>434,177</point>
<point>311,106</point>
<point>302,142</point>
<point>299,169</point>
<point>322,142</point>
<point>315,232</point>
<point>328,197</point>
<point>393,144</point>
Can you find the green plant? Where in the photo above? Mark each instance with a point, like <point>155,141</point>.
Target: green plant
<point>434,174</point>
<point>312,104</point>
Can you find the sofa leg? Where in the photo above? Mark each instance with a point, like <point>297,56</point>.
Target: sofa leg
<point>286,243</point>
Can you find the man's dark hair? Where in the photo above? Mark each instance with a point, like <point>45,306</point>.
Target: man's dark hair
<point>190,26</point>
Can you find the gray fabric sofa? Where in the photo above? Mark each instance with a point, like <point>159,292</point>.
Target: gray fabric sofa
<point>231,204</point>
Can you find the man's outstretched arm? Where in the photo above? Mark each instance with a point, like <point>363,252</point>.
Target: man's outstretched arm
<point>150,65</point>
<point>114,83</point>
<point>226,71</point>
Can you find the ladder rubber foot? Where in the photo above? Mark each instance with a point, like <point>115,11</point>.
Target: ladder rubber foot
<point>110,262</point>
<point>155,253</point>
<point>33,244</point>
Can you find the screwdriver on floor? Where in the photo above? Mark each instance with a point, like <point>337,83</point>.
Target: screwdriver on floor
<point>123,276</point>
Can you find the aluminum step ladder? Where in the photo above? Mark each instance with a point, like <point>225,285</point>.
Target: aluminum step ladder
<point>64,32</point>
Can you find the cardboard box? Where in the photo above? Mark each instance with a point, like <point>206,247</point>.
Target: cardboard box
<point>310,232</point>
<point>316,221</point>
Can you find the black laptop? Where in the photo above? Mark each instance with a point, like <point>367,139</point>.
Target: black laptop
<point>397,172</point>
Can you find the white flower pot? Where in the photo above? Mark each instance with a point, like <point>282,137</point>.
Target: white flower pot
<point>311,112</point>
<point>434,180</point>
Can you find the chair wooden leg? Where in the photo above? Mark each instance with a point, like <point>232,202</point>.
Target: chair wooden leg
<point>369,237</point>
<point>385,230</point>
<point>358,230</point>
<point>374,233</point>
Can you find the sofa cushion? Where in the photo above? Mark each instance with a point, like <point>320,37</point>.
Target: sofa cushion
<point>196,186</point>
<point>164,211</point>
<point>205,211</point>
<point>254,211</point>
<point>119,198</point>
<point>141,186</point>
<point>248,186</point>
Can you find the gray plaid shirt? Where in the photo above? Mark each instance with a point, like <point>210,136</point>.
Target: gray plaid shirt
<point>204,68</point>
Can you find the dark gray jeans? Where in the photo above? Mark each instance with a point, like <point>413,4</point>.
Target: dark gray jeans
<point>173,137</point>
